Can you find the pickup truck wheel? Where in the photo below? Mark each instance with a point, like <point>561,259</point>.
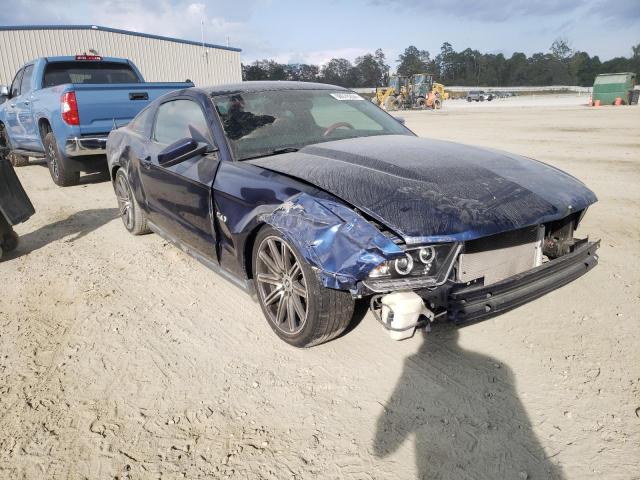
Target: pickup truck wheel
<point>18,160</point>
<point>299,309</point>
<point>133,217</point>
<point>56,162</point>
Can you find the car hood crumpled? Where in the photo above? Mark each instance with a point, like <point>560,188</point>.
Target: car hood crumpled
<point>434,191</point>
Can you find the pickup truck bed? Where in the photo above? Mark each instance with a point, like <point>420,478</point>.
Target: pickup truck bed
<point>65,107</point>
<point>100,106</point>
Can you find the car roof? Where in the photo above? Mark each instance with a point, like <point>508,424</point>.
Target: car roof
<point>264,86</point>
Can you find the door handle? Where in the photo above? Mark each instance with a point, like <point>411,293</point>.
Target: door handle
<point>27,102</point>
<point>12,105</point>
<point>146,163</point>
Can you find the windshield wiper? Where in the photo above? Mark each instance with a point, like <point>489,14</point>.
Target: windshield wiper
<point>277,151</point>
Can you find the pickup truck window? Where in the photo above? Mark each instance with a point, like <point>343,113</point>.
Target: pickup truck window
<point>15,85</point>
<point>59,73</point>
<point>176,119</point>
<point>25,84</point>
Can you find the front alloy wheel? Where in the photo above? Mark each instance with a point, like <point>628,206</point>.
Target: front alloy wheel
<point>299,309</point>
<point>281,285</point>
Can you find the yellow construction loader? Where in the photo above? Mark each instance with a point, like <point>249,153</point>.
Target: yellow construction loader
<point>417,91</point>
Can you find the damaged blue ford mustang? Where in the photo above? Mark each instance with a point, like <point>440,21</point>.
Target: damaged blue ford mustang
<point>310,197</point>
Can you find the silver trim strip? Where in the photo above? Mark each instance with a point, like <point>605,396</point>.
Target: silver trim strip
<point>77,146</point>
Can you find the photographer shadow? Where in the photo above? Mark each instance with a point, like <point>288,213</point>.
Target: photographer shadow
<point>465,416</point>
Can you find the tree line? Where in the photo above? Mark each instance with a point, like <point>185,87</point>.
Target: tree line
<point>560,65</point>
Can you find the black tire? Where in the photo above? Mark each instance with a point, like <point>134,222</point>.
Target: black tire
<point>132,216</point>
<point>327,312</point>
<point>10,241</point>
<point>391,104</point>
<point>18,160</point>
<point>421,102</point>
<point>469,99</point>
<point>5,144</point>
<point>58,167</point>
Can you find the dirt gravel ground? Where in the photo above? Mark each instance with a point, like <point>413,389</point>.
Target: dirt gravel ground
<point>121,357</point>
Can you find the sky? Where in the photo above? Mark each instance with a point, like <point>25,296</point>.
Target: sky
<point>316,31</point>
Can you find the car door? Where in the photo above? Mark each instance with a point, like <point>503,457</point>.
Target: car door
<point>11,116</point>
<point>24,114</point>
<point>179,196</point>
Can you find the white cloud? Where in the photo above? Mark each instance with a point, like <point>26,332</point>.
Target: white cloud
<point>317,57</point>
<point>173,18</point>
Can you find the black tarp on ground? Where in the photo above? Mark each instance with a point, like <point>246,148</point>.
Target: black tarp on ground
<point>15,205</point>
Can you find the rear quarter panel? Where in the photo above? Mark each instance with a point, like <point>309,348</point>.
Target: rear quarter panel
<point>125,148</point>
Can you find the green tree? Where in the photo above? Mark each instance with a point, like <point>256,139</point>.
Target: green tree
<point>413,61</point>
<point>339,71</point>
<point>264,70</point>
<point>561,49</point>
<point>381,59</point>
<point>446,62</point>
<point>302,72</point>
<point>369,72</point>
<point>517,70</point>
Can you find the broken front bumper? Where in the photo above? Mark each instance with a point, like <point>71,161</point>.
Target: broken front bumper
<point>472,303</point>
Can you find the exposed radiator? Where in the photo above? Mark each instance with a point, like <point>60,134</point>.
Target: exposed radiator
<point>501,256</point>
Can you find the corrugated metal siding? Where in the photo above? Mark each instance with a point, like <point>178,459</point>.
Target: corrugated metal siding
<point>158,60</point>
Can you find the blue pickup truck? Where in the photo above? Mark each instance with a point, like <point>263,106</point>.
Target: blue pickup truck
<point>63,108</point>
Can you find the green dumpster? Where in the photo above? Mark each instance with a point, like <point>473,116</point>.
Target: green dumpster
<point>609,86</point>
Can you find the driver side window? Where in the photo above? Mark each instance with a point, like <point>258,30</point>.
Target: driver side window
<point>177,119</point>
<point>15,85</point>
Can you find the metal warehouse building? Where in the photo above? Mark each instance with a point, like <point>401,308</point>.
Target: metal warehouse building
<point>160,59</point>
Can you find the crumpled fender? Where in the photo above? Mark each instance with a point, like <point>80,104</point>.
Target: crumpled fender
<point>339,243</point>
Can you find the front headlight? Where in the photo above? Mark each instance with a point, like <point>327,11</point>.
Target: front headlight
<point>420,267</point>
<point>419,261</point>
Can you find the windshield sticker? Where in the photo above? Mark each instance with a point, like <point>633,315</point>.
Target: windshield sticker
<point>346,96</point>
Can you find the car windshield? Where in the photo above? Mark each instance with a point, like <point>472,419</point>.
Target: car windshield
<point>264,123</point>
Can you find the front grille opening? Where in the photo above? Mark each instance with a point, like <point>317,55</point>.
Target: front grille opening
<point>495,258</point>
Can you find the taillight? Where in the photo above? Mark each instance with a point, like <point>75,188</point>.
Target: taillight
<point>69,108</point>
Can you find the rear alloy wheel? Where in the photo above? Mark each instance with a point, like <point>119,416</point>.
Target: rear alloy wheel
<point>133,218</point>
<point>58,168</point>
<point>300,310</point>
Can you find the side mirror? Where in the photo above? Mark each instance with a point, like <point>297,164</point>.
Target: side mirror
<point>182,150</point>
<point>400,119</point>
<point>4,91</point>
